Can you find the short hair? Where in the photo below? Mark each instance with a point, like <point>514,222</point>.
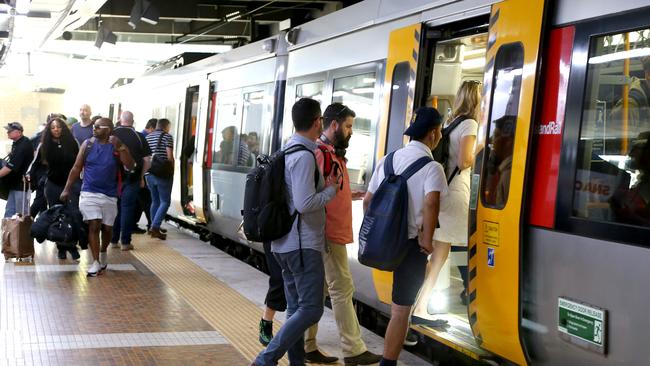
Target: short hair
<point>161,124</point>
<point>425,134</point>
<point>103,119</point>
<point>304,112</point>
<point>95,118</point>
<point>151,124</point>
<point>336,112</point>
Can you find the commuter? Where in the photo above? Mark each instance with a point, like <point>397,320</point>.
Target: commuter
<point>132,181</point>
<point>160,143</point>
<point>38,175</point>
<point>424,190</point>
<point>14,168</point>
<point>149,127</point>
<point>337,125</point>
<point>58,152</point>
<point>638,107</point>
<point>226,153</point>
<point>83,130</point>
<point>100,158</point>
<point>454,207</point>
<point>630,203</point>
<point>299,252</point>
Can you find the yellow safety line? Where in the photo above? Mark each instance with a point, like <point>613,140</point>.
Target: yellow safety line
<point>230,313</point>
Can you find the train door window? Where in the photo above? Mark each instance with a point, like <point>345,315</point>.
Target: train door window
<point>229,115</point>
<point>612,178</point>
<point>358,93</point>
<point>254,139</point>
<point>311,89</point>
<point>398,103</point>
<point>506,88</point>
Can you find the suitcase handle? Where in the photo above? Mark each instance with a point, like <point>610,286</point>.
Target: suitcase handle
<point>24,196</point>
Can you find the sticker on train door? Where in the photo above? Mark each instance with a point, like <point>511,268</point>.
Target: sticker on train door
<point>490,257</point>
<point>473,200</point>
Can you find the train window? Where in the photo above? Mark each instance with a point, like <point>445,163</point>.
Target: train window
<point>506,87</point>
<point>253,130</point>
<point>612,178</point>
<point>311,90</point>
<point>227,129</point>
<point>398,102</point>
<point>358,93</point>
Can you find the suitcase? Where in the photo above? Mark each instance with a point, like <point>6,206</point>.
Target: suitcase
<point>17,241</point>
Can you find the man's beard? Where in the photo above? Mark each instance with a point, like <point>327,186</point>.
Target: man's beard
<point>340,141</point>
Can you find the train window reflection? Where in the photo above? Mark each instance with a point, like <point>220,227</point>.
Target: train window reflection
<point>254,138</point>
<point>228,125</point>
<point>358,93</point>
<point>312,90</point>
<point>612,181</point>
<point>506,88</point>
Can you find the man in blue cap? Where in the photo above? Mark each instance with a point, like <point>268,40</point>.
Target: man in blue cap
<point>424,190</point>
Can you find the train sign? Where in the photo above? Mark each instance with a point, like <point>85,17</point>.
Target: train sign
<point>582,324</point>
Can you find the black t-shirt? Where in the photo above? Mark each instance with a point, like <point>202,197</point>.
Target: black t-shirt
<point>22,154</point>
<point>138,147</point>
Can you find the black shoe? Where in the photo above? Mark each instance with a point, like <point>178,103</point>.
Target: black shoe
<point>411,338</point>
<point>164,231</point>
<point>139,230</point>
<point>61,254</point>
<point>266,332</point>
<point>75,254</point>
<point>317,357</point>
<point>463,297</point>
<point>366,358</point>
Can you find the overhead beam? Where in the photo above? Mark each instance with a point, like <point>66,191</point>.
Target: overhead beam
<point>165,27</point>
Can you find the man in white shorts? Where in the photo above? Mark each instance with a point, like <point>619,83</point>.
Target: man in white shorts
<point>101,158</point>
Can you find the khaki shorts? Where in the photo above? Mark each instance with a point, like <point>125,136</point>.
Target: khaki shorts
<point>97,206</point>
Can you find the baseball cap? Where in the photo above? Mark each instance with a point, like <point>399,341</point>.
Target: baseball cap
<point>13,126</point>
<point>423,120</point>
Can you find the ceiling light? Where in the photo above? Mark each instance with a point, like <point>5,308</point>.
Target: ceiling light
<point>22,6</point>
<point>622,55</point>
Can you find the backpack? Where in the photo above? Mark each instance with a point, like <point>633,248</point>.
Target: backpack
<point>441,152</point>
<point>383,237</point>
<point>266,211</point>
<point>329,164</point>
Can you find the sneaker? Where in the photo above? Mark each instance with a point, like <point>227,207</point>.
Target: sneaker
<point>366,358</point>
<point>103,258</point>
<point>318,357</point>
<point>266,332</point>
<point>127,247</point>
<point>61,254</point>
<point>411,338</point>
<point>164,231</point>
<point>115,245</point>
<point>95,270</point>
<point>139,230</point>
<point>156,233</point>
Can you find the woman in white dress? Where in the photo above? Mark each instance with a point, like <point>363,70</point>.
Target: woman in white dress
<point>454,206</point>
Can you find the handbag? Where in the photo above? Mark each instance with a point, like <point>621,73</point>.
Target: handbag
<point>161,166</point>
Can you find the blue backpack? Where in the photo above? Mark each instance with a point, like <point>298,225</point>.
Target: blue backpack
<point>383,238</point>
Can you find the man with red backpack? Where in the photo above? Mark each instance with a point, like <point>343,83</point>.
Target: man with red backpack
<point>330,155</point>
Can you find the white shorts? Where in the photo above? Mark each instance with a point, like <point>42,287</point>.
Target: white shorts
<point>98,206</point>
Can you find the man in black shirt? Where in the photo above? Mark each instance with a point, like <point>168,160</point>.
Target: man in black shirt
<point>14,168</point>
<point>132,181</point>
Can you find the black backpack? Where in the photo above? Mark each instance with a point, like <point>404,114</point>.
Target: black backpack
<point>441,152</point>
<point>266,210</point>
<point>383,237</point>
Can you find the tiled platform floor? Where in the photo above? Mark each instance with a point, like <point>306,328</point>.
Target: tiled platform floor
<point>179,302</point>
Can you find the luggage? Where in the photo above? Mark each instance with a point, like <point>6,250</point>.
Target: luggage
<point>61,224</point>
<point>383,237</point>
<point>17,241</point>
<point>266,211</point>
<point>441,152</point>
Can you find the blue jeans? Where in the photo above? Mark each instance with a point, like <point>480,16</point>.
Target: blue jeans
<point>303,286</point>
<point>161,195</point>
<point>125,220</point>
<point>14,200</point>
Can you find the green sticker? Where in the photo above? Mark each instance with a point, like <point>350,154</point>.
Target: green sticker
<point>473,198</point>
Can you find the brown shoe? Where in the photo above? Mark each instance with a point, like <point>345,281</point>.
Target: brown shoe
<point>155,233</point>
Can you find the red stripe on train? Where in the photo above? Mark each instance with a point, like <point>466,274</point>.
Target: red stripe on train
<point>549,127</point>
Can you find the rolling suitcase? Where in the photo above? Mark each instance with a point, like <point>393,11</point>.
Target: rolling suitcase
<point>17,241</point>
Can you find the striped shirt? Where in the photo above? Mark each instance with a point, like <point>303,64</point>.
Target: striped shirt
<point>166,142</point>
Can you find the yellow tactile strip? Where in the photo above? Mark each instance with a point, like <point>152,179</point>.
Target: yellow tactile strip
<point>230,313</point>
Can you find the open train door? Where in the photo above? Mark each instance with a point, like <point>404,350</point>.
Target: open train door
<point>498,180</point>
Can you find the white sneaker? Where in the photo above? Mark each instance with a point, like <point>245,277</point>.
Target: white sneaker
<point>95,269</point>
<point>103,258</point>
<point>115,245</point>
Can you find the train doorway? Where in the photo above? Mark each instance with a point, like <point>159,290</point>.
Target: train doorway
<point>450,56</point>
<point>188,150</point>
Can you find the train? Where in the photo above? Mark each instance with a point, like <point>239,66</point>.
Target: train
<point>558,231</point>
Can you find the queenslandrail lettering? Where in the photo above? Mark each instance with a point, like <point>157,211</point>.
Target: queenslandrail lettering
<point>551,128</point>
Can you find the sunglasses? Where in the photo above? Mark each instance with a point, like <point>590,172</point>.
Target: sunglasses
<point>100,127</point>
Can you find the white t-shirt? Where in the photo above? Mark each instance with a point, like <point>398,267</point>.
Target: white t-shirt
<point>468,127</point>
<point>431,178</point>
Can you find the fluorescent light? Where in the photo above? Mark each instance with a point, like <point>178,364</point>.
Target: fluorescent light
<point>369,80</point>
<point>363,90</point>
<point>622,55</point>
<point>22,6</point>
<point>474,63</point>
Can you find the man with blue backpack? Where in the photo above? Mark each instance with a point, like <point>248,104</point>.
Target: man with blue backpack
<point>299,251</point>
<point>401,213</point>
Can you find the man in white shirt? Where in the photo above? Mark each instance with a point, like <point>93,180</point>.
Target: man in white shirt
<point>424,190</point>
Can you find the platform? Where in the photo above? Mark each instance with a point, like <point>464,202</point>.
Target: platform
<point>165,303</point>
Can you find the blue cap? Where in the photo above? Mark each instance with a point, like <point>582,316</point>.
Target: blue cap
<point>423,120</point>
